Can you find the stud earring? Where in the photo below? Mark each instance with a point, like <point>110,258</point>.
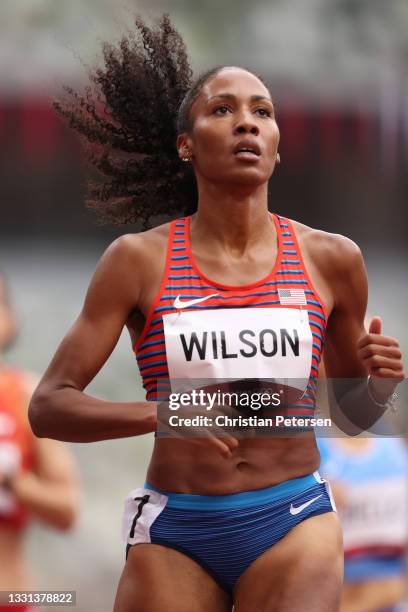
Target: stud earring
<point>278,158</point>
<point>187,157</point>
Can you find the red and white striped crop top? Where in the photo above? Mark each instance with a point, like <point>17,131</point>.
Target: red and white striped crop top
<point>198,328</point>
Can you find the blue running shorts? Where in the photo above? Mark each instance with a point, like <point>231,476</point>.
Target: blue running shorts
<point>223,533</point>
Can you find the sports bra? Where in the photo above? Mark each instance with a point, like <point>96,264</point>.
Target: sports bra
<point>197,328</point>
<point>16,441</point>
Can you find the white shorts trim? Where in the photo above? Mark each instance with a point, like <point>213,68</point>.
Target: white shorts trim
<point>328,488</point>
<point>148,512</point>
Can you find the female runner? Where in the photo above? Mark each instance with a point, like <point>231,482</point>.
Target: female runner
<point>232,291</point>
<point>38,477</point>
<point>369,475</point>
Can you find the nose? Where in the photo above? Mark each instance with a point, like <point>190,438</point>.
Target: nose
<point>246,124</point>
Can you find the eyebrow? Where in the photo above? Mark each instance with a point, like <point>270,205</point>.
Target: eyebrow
<point>228,96</point>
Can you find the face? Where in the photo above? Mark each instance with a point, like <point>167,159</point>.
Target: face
<point>234,138</point>
<point>7,321</point>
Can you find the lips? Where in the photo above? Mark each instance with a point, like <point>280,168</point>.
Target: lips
<point>247,147</point>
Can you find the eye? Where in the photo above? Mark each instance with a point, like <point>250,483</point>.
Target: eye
<point>264,112</point>
<point>221,110</point>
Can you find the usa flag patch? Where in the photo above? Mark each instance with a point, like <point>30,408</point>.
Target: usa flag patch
<point>292,296</point>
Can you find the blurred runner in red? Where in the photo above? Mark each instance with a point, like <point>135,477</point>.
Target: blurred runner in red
<point>38,476</point>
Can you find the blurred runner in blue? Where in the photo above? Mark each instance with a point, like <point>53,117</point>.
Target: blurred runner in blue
<point>370,484</point>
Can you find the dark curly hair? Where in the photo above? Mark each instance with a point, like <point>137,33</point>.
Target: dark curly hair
<point>129,119</point>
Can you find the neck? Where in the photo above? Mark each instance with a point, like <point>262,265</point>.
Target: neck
<point>234,218</point>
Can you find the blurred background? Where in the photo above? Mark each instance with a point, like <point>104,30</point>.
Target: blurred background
<point>338,72</point>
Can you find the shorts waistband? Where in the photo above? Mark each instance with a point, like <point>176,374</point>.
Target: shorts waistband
<point>244,499</point>
<point>374,568</point>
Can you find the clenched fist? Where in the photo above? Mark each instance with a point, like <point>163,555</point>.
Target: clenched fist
<point>382,357</point>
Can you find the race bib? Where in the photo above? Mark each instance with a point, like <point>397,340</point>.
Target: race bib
<point>375,513</point>
<point>273,344</point>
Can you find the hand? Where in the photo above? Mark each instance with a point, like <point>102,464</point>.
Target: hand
<point>382,358</point>
<point>7,480</point>
<point>204,433</point>
<point>224,445</point>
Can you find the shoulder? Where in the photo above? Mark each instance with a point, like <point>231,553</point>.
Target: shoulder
<point>18,386</point>
<point>30,382</point>
<point>22,380</point>
<point>334,253</point>
<point>137,247</point>
<point>132,256</point>
<point>125,269</point>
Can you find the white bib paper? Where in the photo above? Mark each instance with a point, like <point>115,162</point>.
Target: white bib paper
<point>375,514</point>
<point>239,343</point>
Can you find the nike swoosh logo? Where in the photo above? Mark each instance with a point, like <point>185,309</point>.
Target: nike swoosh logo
<point>179,304</point>
<point>295,510</point>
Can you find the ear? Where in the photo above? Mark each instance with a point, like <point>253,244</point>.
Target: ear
<point>184,145</point>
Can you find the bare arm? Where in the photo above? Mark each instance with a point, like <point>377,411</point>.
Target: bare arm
<point>59,408</point>
<point>352,353</point>
<point>50,489</point>
<point>51,492</point>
